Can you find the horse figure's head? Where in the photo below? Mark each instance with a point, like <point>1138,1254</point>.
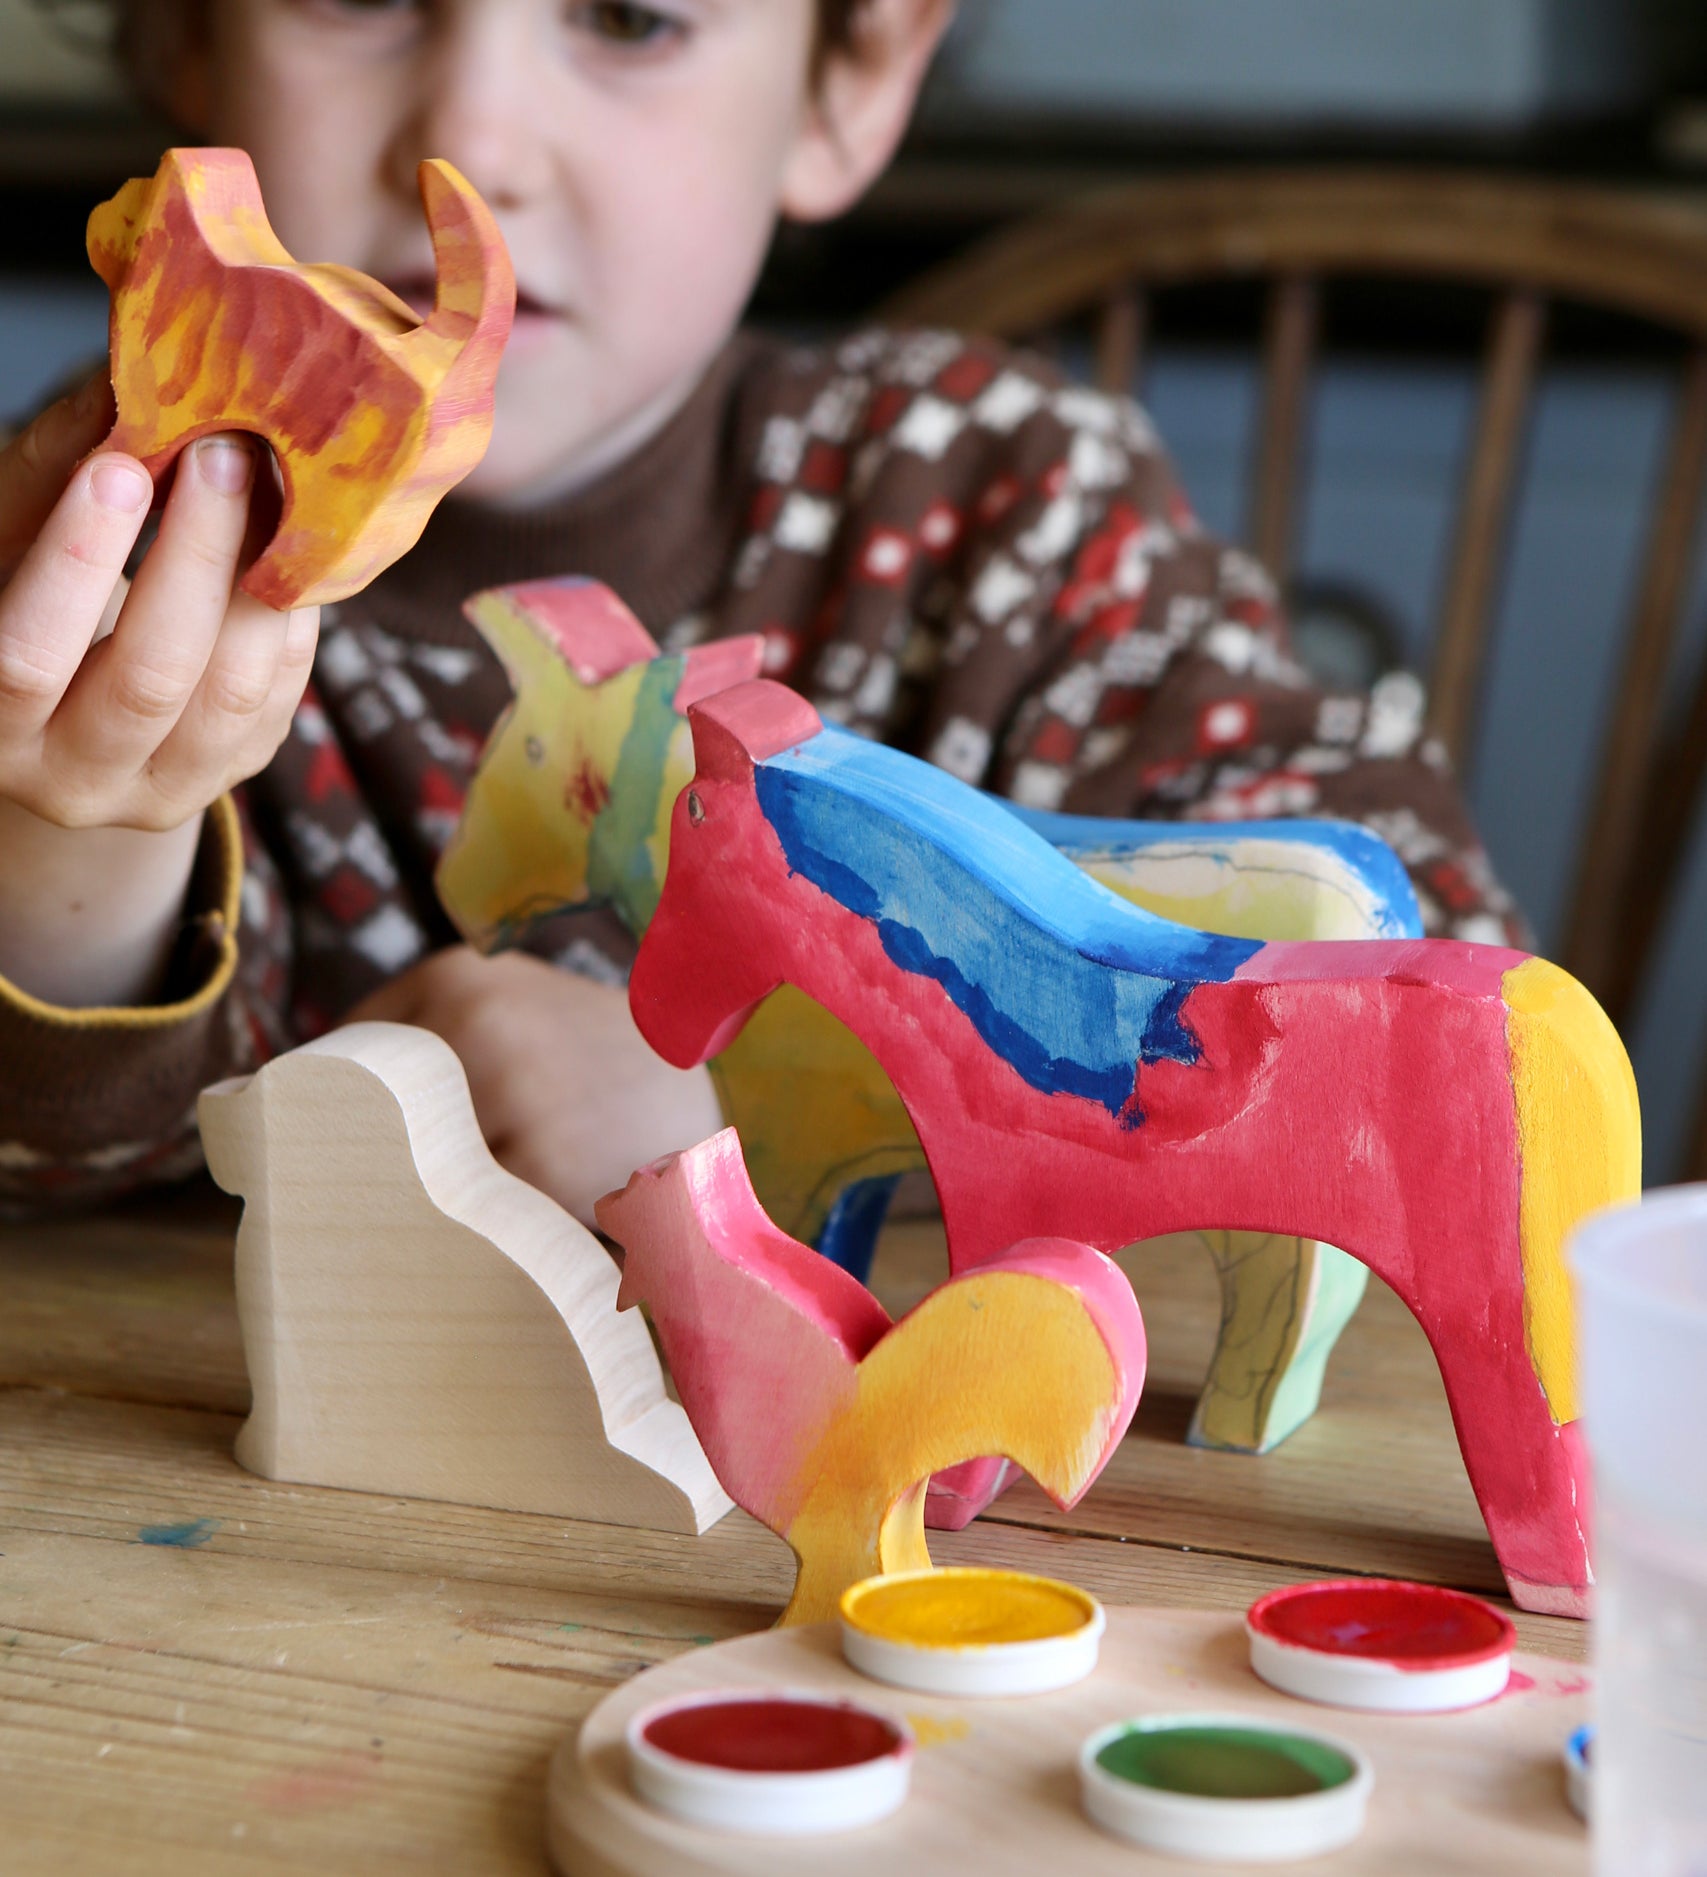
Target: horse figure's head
<point>570,804</point>
<point>696,979</point>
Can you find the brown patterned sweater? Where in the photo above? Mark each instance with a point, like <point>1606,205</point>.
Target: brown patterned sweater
<point>944,544</point>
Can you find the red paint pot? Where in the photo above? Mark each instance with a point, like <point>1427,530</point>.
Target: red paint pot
<point>778,1763</point>
<point>1389,1647</point>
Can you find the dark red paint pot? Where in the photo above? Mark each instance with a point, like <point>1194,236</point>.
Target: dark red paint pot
<point>1394,1648</point>
<point>779,1763</point>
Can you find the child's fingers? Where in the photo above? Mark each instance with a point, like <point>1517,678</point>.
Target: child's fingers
<point>136,684</point>
<point>50,609</point>
<point>36,465</point>
<point>241,709</point>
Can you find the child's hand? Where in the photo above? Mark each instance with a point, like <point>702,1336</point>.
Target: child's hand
<point>567,1092</point>
<point>195,688</point>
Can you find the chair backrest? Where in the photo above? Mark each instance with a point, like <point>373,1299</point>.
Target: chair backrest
<point>1527,243</point>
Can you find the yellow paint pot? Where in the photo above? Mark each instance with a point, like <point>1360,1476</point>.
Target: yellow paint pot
<point>971,1632</point>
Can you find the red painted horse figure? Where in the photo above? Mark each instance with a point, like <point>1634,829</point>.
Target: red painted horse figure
<point>1077,1067</point>
<point>571,806</point>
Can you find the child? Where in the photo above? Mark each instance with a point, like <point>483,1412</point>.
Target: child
<point>202,863</point>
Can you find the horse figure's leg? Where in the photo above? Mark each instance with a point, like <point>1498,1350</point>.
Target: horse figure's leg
<point>1284,1302</point>
<point>824,1133</point>
<point>849,1237</point>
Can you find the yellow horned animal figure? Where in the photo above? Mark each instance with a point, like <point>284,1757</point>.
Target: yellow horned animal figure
<point>372,413</point>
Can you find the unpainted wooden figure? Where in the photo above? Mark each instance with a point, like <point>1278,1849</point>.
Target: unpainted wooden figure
<point>1444,1111</point>
<point>418,1321</point>
<point>822,1417</point>
<point>371,412</point>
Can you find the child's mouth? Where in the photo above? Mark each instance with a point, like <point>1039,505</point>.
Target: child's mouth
<point>419,291</point>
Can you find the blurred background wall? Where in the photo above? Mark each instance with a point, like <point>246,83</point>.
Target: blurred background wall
<point>1036,100</point>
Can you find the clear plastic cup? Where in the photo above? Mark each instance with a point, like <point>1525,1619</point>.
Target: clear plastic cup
<point>1641,1274</point>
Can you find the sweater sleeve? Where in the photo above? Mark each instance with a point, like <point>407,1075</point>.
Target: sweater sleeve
<point>955,549</point>
<point>98,1102</point>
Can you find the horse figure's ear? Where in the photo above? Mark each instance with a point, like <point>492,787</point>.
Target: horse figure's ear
<point>738,728</point>
<point>583,622</point>
<point>708,669</point>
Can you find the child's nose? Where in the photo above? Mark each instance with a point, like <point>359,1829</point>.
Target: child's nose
<point>479,101</point>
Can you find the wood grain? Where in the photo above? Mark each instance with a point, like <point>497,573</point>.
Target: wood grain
<point>211,1705</point>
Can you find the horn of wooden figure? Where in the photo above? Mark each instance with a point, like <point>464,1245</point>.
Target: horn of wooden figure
<point>418,1321</point>
<point>570,806</point>
<point>822,1417</point>
<point>1443,1111</point>
<point>372,413</point>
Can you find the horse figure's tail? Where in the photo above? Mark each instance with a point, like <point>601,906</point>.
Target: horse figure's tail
<point>1579,1136</point>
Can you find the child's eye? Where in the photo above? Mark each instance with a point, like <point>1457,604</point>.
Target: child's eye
<point>625,23</point>
<point>389,13</point>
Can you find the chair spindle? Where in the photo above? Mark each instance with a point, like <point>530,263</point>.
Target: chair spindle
<point>1121,331</point>
<point>1635,836</point>
<point>1289,359</point>
<point>1514,346</point>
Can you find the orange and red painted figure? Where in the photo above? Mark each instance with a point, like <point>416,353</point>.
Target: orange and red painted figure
<point>372,413</point>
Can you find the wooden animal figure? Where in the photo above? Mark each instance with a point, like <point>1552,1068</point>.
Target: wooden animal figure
<point>571,806</point>
<point>371,413</point>
<point>1443,1111</point>
<point>822,1417</point>
<point>418,1321</point>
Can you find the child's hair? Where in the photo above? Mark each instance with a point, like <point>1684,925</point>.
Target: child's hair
<point>149,35</point>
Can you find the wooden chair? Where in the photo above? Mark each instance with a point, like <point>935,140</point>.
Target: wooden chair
<point>1526,243</point>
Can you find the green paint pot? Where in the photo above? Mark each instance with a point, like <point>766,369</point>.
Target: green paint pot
<point>1224,1786</point>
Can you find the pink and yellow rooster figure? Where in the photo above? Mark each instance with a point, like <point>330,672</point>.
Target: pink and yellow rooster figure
<point>372,413</point>
<point>822,1417</point>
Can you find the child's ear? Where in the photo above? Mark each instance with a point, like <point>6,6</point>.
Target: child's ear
<point>859,105</point>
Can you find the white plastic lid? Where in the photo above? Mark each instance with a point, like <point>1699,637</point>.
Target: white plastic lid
<point>968,1631</point>
<point>779,1763</point>
<point>1384,1646</point>
<point>1224,1786</point>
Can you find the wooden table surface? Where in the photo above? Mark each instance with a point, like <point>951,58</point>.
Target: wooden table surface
<point>201,1671</point>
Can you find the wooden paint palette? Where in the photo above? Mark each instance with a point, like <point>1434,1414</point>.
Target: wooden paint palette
<point>1480,1793</point>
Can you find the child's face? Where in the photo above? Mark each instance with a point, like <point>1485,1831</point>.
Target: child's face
<point>636,158</point>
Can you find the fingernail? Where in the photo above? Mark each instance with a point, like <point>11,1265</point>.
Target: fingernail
<point>120,486</point>
<point>227,463</point>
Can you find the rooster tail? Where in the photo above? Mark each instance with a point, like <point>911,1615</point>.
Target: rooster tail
<point>1014,1361</point>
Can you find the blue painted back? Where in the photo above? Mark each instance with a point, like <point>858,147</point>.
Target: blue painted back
<point>1363,853</point>
<point>1066,981</point>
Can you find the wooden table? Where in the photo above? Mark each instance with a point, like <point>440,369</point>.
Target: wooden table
<point>201,1671</point>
